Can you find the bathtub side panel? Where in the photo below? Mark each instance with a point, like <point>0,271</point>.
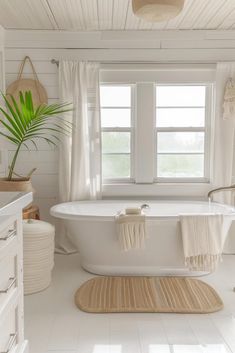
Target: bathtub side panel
<point>97,242</point>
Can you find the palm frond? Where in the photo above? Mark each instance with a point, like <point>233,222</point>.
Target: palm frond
<point>10,138</point>
<point>11,129</point>
<point>24,123</point>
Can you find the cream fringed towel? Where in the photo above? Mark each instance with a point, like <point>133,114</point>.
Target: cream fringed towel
<point>203,240</point>
<point>131,231</point>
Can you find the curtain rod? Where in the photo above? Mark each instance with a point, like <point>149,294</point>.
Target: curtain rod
<point>56,62</point>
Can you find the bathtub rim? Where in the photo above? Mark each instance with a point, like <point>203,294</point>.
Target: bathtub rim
<point>69,216</point>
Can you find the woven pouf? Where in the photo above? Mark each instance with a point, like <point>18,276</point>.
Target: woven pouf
<point>38,238</point>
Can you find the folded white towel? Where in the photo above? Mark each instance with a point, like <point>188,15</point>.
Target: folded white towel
<point>131,230</point>
<point>132,210</point>
<point>203,240</point>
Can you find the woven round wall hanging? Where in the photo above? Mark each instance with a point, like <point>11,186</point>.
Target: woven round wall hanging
<point>39,93</point>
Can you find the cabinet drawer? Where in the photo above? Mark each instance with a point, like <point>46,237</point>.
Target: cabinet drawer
<point>8,277</point>
<point>8,232</point>
<point>8,328</point>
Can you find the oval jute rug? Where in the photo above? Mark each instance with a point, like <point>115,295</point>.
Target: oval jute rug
<point>147,294</point>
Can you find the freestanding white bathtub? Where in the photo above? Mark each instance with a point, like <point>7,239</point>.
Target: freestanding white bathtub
<point>92,229</point>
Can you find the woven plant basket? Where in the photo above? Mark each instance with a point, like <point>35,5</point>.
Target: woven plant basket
<point>16,184</point>
<point>39,93</point>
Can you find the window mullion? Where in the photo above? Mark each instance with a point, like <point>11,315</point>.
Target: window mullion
<point>144,136</point>
<point>116,129</point>
<point>208,122</point>
<point>180,129</point>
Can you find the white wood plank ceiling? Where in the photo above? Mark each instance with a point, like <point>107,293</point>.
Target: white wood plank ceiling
<point>101,15</point>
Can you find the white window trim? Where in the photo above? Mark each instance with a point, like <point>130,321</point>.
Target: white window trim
<point>208,136</point>
<point>160,74</point>
<point>124,129</point>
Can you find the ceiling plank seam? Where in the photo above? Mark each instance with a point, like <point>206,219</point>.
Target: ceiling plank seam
<point>50,14</point>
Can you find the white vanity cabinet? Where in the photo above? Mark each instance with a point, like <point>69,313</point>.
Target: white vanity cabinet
<point>3,150</point>
<point>2,69</point>
<point>11,280</point>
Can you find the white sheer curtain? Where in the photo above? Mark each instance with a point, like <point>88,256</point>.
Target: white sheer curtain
<point>80,153</point>
<point>223,136</point>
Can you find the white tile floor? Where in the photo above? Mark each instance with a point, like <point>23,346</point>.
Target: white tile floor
<point>54,324</point>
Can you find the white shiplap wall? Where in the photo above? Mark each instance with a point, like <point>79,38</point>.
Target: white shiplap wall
<point>45,179</point>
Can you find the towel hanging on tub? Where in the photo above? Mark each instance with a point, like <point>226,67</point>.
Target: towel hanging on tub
<point>203,240</point>
<point>131,229</point>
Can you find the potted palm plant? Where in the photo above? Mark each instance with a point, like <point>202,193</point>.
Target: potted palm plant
<point>21,124</point>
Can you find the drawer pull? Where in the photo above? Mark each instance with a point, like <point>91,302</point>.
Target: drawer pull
<point>11,342</point>
<point>11,283</point>
<point>11,233</point>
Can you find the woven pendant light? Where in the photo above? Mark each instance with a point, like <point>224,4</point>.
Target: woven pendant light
<point>157,10</point>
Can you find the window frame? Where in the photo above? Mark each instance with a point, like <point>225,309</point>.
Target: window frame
<point>206,129</point>
<point>144,185</point>
<point>130,129</point>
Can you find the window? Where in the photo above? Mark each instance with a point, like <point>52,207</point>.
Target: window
<point>116,121</point>
<point>181,132</point>
<point>157,126</point>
